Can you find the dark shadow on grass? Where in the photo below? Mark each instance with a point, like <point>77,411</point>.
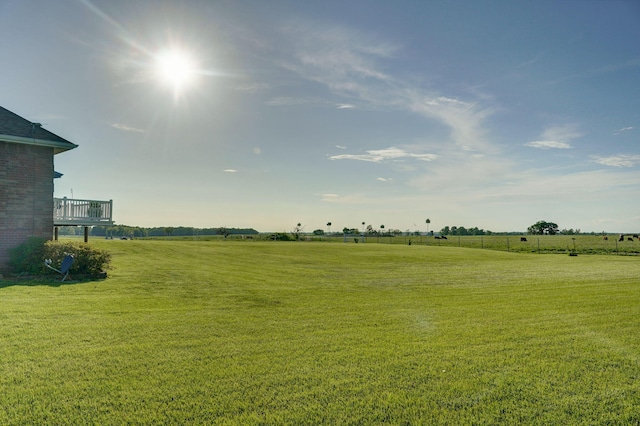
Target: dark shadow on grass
<point>48,280</point>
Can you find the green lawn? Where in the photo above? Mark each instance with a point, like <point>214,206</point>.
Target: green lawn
<point>231,332</point>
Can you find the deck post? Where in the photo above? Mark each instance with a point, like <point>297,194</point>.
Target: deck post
<point>55,233</point>
<point>86,234</point>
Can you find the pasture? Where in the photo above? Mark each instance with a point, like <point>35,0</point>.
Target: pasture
<point>257,332</point>
<point>581,244</point>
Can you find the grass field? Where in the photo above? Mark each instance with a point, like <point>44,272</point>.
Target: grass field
<point>581,244</point>
<point>230,332</point>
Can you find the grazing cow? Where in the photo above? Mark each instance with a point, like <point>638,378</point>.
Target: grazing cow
<point>605,238</point>
<point>629,239</point>
<point>621,238</point>
<point>443,237</point>
<point>635,236</point>
<point>524,239</point>
<point>437,237</point>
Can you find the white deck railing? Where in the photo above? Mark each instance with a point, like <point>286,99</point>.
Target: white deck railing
<point>82,212</point>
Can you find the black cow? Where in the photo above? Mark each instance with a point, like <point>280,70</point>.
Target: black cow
<point>524,239</point>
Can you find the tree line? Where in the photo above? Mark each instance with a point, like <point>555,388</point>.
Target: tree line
<point>541,227</point>
<point>164,231</point>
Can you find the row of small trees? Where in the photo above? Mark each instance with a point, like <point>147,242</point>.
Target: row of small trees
<point>137,231</point>
<point>542,227</point>
<point>539,228</point>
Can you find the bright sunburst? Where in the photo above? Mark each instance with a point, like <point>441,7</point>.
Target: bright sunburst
<point>176,68</point>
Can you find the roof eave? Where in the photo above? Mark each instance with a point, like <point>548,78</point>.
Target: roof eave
<point>58,146</point>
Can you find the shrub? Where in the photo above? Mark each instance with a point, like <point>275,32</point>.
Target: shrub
<point>87,259</point>
<point>28,258</point>
<point>280,236</point>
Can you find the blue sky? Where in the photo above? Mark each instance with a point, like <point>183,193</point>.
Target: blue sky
<point>493,114</point>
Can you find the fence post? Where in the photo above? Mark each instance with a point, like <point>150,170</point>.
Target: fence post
<point>65,209</point>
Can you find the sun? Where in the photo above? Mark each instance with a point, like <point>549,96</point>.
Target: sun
<point>176,69</point>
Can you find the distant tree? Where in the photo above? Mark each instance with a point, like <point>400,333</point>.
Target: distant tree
<point>428,221</point>
<point>318,232</point>
<point>382,229</point>
<point>168,230</point>
<point>279,236</point>
<point>69,230</point>
<point>445,231</point>
<point>346,230</point>
<point>297,230</point>
<point>223,231</point>
<point>329,227</point>
<point>570,231</point>
<point>542,227</point>
<point>370,230</point>
<point>100,231</point>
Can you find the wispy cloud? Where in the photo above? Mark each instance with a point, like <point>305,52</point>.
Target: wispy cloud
<point>352,65</point>
<point>341,147</point>
<point>556,137</point>
<point>345,106</point>
<point>564,132</point>
<point>288,101</point>
<point>621,160</point>
<point>380,155</point>
<point>252,87</point>
<point>329,197</point>
<point>126,128</point>
<point>230,171</point>
<point>624,129</point>
<point>548,145</point>
<point>381,179</point>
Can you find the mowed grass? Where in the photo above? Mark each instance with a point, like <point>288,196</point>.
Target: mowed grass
<point>230,332</point>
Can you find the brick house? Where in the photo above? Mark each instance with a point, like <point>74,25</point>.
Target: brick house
<point>27,207</point>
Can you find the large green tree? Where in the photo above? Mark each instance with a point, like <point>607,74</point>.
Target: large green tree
<point>543,227</point>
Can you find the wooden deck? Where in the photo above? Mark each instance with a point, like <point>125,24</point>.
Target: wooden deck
<point>73,212</point>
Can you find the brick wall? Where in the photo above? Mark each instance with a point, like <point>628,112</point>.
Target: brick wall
<point>26,195</point>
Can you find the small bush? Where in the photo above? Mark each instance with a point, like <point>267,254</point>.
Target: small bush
<point>279,236</point>
<point>28,258</point>
<point>87,259</point>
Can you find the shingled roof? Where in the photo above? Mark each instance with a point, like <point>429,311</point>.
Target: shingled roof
<point>16,129</point>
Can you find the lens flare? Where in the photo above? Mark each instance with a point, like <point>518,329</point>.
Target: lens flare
<point>176,68</point>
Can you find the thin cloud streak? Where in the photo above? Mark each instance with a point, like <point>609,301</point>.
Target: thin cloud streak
<point>548,145</point>
<point>126,128</point>
<point>621,160</point>
<point>380,155</point>
<point>624,129</point>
